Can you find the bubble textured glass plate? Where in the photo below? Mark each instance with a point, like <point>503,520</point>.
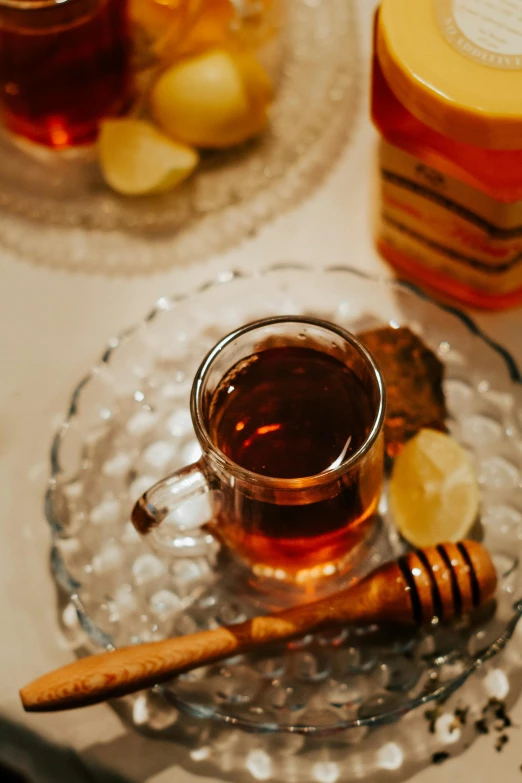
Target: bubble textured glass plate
<point>129,424</point>
<point>56,209</point>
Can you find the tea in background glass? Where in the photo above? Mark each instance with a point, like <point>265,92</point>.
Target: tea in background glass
<point>289,414</point>
<point>64,66</point>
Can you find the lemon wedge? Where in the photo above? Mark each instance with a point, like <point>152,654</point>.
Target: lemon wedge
<point>136,158</point>
<point>213,100</point>
<point>258,83</point>
<point>434,494</point>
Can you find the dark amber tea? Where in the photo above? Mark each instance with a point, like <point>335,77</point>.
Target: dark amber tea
<point>289,413</point>
<point>64,66</point>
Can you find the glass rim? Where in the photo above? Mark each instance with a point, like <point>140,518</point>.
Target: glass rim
<point>271,482</point>
<point>33,5</point>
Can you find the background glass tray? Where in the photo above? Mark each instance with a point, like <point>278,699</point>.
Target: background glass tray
<point>55,208</point>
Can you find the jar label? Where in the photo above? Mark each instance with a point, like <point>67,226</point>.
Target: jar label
<point>488,32</point>
<point>446,227</point>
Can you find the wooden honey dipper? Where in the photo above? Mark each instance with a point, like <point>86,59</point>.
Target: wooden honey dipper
<point>444,582</point>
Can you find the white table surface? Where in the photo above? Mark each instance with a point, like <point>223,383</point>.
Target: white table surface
<point>53,325</point>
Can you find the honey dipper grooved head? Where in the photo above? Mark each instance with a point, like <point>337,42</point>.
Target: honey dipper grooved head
<point>448,580</point>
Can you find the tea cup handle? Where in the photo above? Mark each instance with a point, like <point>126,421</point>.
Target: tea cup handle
<point>170,517</point>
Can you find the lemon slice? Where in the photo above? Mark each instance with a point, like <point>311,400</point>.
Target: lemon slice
<point>212,100</point>
<point>434,494</point>
<point>136,158</point>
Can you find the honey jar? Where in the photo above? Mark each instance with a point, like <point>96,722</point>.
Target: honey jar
<point>447,100</point>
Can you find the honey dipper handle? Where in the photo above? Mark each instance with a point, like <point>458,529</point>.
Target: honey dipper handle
<point>101,677</point>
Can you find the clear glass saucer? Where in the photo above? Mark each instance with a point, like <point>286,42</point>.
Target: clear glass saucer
<point>56,209</point>
<point>128,424</point>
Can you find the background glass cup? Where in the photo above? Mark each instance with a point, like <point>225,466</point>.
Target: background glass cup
<point>64,66</point>
<point>330,515</point>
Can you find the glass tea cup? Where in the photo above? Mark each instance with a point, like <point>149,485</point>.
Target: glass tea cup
<point>64,66</point>
<point>289,415</point>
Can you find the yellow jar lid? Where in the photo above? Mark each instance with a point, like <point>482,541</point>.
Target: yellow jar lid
<point>457,66</point>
